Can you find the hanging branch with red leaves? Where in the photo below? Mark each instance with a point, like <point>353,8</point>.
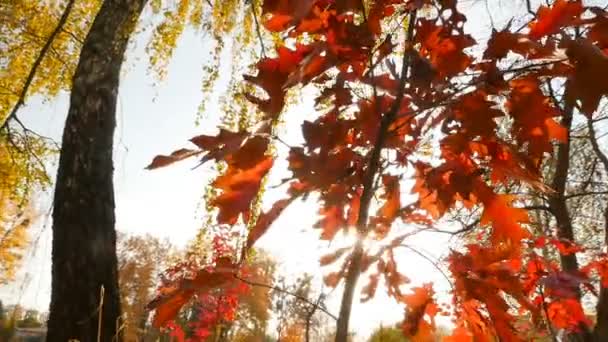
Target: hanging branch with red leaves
<point>490,124</point>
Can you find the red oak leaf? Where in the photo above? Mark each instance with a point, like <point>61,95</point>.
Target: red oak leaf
<point>551,19</point>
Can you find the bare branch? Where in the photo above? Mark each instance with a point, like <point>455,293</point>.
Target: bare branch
<point>257,28</point>
<point>587,193</point>
<point>433,262</point>
<point>295,295</point>
<point>538,207</point>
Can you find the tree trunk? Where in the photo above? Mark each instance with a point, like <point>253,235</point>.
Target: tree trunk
<point>559,208</point>
<point>350,283</point>
<point>85,303</point>
<point>600,332</point>
<point>356,258</point>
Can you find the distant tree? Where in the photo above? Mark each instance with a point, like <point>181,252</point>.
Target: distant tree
<point>254,309</point>
<point>388,334</point>
<point>31,319</point>
<point>141,259</point>
<point>8,319</point>
<point>15,221</point>
<point>295,314</point>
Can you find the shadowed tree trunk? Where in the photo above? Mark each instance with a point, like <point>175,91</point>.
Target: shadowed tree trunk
<point>85,302</point>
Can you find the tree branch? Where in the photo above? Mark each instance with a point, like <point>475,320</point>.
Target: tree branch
<point>295,295</point>
<point>538,207</point>
<point>588,193</point>
<point>354,268</point>
<point>257,28</point>
<point>37,62</point>
<point>433,262</point>
<point>596,147</point>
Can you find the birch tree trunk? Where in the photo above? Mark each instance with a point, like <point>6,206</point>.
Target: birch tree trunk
<point>85,302</point>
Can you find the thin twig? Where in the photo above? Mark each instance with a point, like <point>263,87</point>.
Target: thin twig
<point>433,262</point>
<point>464,229</point>
<point>257,28</point>
<point>588,193</point>
<point>295,295</point>
<point>538,207</point>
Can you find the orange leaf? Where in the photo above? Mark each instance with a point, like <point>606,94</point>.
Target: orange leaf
<point>332,220</point>
<point>390,210</point>
<point>392,197</point>
<point>369,290</point>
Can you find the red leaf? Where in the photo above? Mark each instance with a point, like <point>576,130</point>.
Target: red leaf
<point>505,218</point>
<point>567,314</point>
<point>239,188</point>
<point>332,257</point>
<point>551,20</point>
<point>266,219</point>
<point>332,279</point>
<point>420,305</point>
<point>459,334</point>
<point>589,83</point>
<point>504,41</point>
<point>369,290</point>
<point>162,161</point>
<point>391,207</point>
<point>332,220</point>
<point>172,298</point>
<point>221,145</point>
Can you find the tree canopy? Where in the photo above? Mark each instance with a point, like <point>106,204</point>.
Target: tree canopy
<point>418,123</point>
<point>395,78</point>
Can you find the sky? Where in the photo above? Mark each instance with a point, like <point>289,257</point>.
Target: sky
<point>159,118</point>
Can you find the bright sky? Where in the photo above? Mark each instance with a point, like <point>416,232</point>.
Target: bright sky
<point>165,202</point>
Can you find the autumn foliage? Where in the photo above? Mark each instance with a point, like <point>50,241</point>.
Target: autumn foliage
<point>393,83</point>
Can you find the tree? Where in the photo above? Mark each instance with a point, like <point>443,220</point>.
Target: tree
<point>387,334</point>
<point>83,232</point>
<point>30,320</point>
<point>237,311</point>
<point>84,238</point>
<point>37,44</point>
<point>254,310</point>
<point>392,85</point>
<point>293,314</point>
<point>141,260</point>
<point>14,225</point>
